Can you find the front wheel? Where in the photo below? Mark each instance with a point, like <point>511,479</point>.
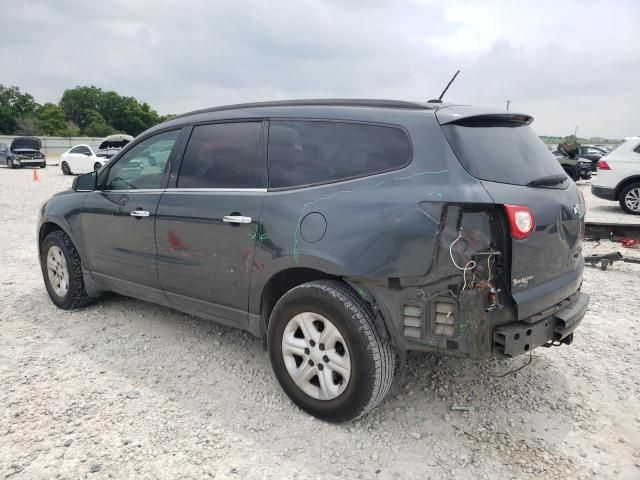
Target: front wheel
<point>97,166</point>
<point>65,168</point>
<point>630,198</point>
<point>62,271</point>
<point>327,353</point>
<point>572,173</point>
<point>10,163</point>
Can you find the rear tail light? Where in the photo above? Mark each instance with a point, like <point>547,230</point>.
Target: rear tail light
<point>602,165</point>
<point>521,221</point>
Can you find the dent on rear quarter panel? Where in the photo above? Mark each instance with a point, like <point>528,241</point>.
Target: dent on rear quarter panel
<point>378,228</point>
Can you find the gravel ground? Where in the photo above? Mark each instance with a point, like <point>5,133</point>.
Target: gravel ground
<point>128,389</point>
<point>604,211</point>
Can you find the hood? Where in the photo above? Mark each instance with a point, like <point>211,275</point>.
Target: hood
<point>115,141</point>
<point>25,143</point>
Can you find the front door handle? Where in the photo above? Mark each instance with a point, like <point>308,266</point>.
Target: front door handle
<point>139,213</point>
<point>236,219</point>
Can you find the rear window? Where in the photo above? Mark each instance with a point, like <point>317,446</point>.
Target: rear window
<point>310,152</point>
<point>503,152</point>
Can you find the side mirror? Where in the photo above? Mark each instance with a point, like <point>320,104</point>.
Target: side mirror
<point>85,183</point>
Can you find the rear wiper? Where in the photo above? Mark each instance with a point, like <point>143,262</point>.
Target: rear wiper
<point>548,181</point>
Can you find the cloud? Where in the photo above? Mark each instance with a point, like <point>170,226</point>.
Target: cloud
<point>567,63</point>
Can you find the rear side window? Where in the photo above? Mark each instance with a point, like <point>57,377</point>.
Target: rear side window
<point>221,155</point>
<point>637,149</point>
<point>502,152</point>
<point>309,152</point>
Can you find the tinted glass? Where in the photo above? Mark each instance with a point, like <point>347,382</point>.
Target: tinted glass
<point>221,155</point>
<point>505,153</point>
<point>305,152</point>
<point>75,150</point>
<point>145,165</point>
<point>637,149</point>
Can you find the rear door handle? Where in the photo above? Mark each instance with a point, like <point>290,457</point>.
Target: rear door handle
<point>236,219</point>
<point>139,213</point>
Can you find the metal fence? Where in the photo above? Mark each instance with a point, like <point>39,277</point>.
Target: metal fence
<point>55,146</point>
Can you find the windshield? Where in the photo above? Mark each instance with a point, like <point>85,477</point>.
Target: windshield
<point>502,152</point>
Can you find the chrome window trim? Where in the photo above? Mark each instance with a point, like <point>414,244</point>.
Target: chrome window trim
<point>219,190</point>
<point>186,190</point>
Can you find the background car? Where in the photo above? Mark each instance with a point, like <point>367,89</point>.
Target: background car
<point>4,153</point>
<point>575,168</point>
<point>619,176</point>
<point>80,159</point>
<point>24,152</point>
<point>113,144</point>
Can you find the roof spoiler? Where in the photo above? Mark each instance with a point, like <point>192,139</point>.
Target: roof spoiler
<point>473,116</point>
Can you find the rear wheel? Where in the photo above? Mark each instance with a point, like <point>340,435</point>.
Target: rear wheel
<point>326,352</point>
<point>62,271</point>
<point>65,168</point>
<point>630,198</point>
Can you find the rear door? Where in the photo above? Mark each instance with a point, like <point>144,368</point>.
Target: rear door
<point>118,220</point>
<point>516,168</point>
<point>208,220</point>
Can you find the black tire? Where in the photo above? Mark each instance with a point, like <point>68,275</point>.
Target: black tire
<point>632,189</point>
<point>372,358</point>
<point>65,168</point>
<point>97,166</point>
<point>76,296</point>
<point>43,165</point>
<point>10,163</point>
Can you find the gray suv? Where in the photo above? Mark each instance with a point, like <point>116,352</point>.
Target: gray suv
<point>344,233</point>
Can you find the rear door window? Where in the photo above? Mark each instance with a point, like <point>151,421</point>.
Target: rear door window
<point>505,152</point>
<point>310,152</point>
<point>222,155</point>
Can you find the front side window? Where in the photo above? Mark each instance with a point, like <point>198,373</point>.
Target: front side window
<point>145,165</point>
<point>221,155</point>
<point>308,152</point>
<point>75,150</point>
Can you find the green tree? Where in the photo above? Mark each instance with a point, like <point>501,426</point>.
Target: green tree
<point>97,126</point>
<point>51,119</point>
<point>14,105</point>
<point>77,102</point>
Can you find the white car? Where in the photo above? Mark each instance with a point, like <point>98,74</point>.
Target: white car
<point>80,159</point>
<point>619,176</point>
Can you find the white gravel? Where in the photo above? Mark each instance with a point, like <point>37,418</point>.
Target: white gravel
<point>127,389</point>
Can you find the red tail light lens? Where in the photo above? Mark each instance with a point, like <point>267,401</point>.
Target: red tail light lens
<point>602,165</point>
<point>521,221</point>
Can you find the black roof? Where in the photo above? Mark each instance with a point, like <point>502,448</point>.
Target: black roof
<point>330,102</point>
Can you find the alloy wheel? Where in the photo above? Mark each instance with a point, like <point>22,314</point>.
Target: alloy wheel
<point>316,356</point>
<point>632,199</point>
<point>57,271</point>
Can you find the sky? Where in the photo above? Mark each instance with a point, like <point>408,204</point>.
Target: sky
<point>568,63</point>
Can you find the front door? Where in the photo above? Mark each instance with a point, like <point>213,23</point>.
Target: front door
<point>208,221</point>
<point>118,219</point>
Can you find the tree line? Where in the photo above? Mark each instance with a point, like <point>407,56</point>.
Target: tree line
<point>82,111</point>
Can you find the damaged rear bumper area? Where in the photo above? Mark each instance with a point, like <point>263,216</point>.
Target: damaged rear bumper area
<point>520,337</point>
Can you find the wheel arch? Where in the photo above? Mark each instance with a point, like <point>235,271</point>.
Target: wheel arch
<point>279,284</point>
<point>624,183</point>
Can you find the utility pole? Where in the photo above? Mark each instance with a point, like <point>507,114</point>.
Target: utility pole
<point>575,132</point>
<point>508,103</point>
